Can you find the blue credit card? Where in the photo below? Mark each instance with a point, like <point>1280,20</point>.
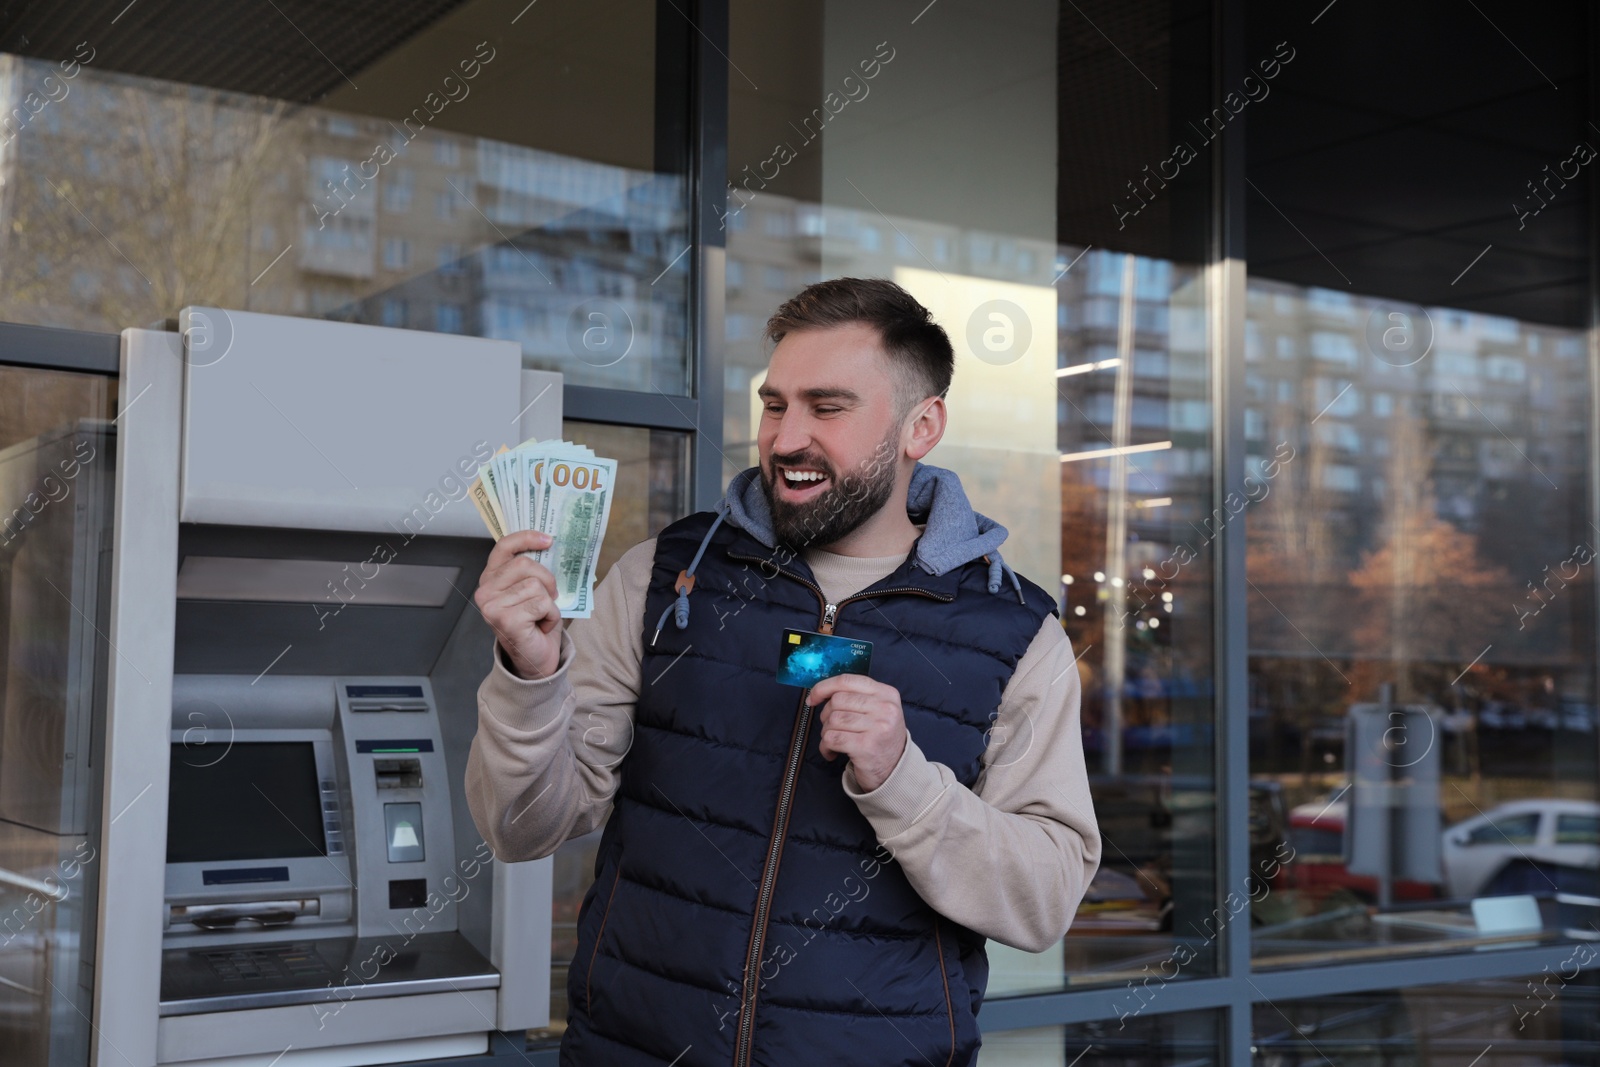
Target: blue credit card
<point>807,658</point>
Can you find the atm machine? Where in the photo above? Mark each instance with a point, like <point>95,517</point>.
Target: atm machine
<point>289,874</point>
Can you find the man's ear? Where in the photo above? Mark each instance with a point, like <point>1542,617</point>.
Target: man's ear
<point>926,428</point>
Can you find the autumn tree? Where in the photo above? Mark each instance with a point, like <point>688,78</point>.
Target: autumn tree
<point>1426,597</point>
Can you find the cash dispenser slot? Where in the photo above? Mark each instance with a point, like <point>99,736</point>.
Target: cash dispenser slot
<point>263,913</point>
<point>386,698</point>
<point>398,773</point>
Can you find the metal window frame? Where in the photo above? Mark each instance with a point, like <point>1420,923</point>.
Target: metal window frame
<point>1232,651</point>
<point>708,187</point>
<point>703,67</point>
<point>48,348</point>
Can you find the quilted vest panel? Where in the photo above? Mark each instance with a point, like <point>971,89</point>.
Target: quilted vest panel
<point>743,911</point>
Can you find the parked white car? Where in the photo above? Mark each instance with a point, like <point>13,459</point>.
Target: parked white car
<point>1524,846</point>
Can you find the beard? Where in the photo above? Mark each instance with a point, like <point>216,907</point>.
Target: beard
<point>839,509</point>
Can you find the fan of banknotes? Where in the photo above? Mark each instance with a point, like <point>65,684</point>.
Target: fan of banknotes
<point>562,489</point>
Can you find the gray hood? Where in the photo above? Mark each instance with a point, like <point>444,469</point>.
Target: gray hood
<point>955,533</point>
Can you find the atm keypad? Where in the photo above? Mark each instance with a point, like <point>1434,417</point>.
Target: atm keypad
<point>274,963</point>
<point>332,827</point>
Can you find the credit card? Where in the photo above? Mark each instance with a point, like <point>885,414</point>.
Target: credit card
<point>806,658</point>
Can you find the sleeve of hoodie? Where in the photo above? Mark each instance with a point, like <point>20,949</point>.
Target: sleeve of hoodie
<point>1012,857</point>
<point>543,765</point>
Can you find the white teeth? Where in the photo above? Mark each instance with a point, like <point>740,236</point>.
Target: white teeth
<point>804,476</point>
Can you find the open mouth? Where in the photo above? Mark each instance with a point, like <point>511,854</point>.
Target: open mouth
<point>801,483</point>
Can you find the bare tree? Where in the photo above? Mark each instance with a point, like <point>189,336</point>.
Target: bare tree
<point>138,202</point>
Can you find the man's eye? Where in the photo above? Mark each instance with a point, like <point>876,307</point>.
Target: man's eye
<point>826,411</point>
<point>774,408</point>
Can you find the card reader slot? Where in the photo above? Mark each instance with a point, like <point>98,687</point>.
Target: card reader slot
<point>398,773</point>
<point>389,705</point>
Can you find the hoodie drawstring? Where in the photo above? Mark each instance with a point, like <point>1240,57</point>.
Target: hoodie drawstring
<point>997,567</point>
<point>1015,584</point>
<point>684,583</point>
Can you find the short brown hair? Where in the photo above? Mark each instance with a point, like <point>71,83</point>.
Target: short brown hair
<point>917,346</point>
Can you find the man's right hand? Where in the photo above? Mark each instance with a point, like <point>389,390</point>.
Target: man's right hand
<point>517,598</point>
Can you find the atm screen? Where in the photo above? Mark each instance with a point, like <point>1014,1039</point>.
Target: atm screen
<point>252,800</point>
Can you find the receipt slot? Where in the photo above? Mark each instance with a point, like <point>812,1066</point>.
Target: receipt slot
<point>289,872</point>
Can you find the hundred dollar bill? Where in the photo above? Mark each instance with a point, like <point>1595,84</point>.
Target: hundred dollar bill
<point>575,507</point>
<point>503,475</point>
<point>532,460</point>
<point>483,498</point>
<point>536,461</point>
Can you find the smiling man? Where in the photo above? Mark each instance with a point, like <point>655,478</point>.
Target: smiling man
<point>793,875</point>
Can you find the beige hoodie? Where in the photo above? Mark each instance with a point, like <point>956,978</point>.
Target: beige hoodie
<point>1010,858</point>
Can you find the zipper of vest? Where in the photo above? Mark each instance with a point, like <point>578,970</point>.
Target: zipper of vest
<point>827,620</point>
<point>791,774</point>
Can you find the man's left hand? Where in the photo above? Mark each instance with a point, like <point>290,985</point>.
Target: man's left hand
<point>862,719</point>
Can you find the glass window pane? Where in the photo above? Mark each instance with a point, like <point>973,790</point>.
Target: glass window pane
<point>448,168</point>
<point>1421,598</point>
<point>1548,1018</point>
<point>652,491</point>
<point>57,475</point>
<point>1186,1038</point>
<point>1080,411</point>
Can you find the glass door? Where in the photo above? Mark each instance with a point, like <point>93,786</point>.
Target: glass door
<point>57,476</point>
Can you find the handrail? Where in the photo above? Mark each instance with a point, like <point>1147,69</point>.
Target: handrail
<point>22,881</point>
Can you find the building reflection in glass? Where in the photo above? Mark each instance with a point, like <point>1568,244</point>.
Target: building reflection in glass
<point>1425,559</point>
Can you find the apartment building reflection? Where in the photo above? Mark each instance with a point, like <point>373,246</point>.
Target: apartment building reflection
<point>454,233</point>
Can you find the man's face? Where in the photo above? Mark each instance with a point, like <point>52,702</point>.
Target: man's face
<point>830,437</point>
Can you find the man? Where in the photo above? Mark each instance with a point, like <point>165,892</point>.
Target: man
<point>797,877</point>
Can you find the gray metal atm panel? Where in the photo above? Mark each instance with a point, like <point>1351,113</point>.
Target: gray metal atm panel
<point>310,424</point>
<point>400,795</point>
<point>335,634</point>
<point>331,972</point>
<point>139,703</point>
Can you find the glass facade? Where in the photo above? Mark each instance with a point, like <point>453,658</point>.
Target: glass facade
<point>1419,565</point>
<point>1275,355</point>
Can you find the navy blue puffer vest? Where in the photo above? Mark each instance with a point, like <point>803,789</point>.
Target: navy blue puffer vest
<point>743,912</point>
